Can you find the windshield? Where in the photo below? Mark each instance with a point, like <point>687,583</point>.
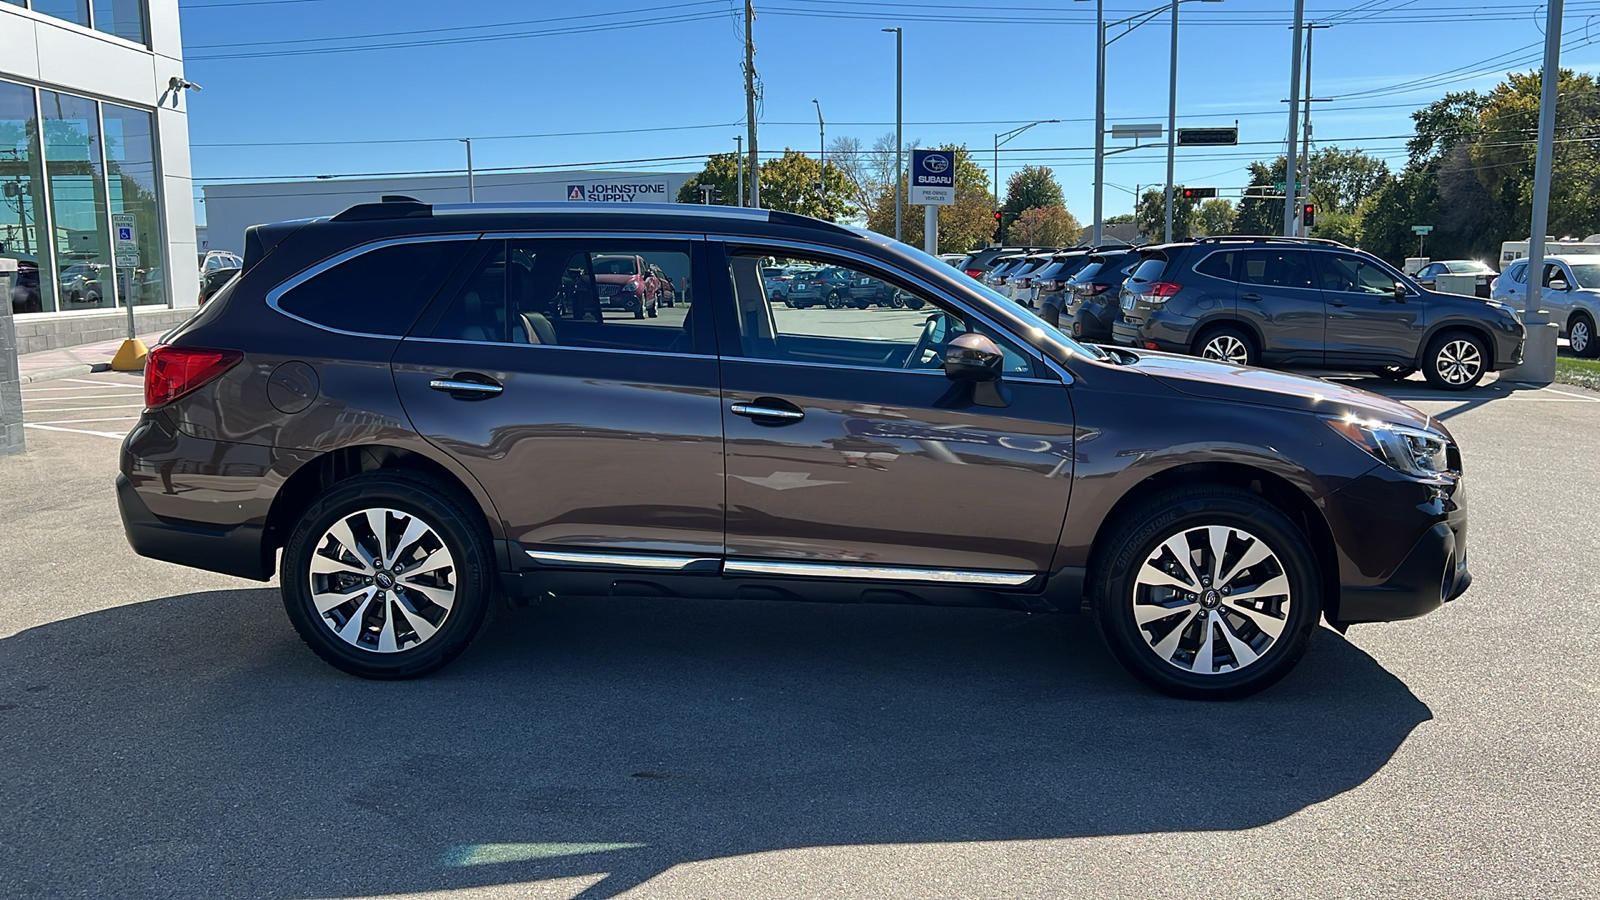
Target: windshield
<point>1021,320</point>
<point>1586,274</point>
<point>615,265</point>
<point>1468,267</point>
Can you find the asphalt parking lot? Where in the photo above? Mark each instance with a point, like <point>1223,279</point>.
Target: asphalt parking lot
<point>164,734</point>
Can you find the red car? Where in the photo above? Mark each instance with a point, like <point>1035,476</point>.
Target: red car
<point>625,283</point>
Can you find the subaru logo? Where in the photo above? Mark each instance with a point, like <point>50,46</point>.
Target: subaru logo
<point>936,163</point>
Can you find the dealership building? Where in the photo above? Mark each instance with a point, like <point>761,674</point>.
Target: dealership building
<point>96,199</point>
<point>231,208</point>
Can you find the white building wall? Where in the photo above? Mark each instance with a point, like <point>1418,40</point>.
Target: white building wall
<point>53,54</point>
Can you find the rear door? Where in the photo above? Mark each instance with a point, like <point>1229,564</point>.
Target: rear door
<point>1366,324</point>
<point>597,435</point>
<point>1276,296</point>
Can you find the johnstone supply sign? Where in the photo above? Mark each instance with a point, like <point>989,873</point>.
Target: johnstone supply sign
<point>652,191</point>
<point>933,178</point>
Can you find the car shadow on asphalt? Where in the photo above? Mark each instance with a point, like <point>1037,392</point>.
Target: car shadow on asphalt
<point>191,746</point>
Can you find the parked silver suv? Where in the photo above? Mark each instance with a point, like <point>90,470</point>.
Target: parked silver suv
<point>1571,293</point>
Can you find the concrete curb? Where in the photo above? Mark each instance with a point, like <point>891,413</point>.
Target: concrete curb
<point>64,372</point>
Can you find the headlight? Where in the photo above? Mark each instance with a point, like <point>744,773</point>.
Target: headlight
<point>1409,450</point>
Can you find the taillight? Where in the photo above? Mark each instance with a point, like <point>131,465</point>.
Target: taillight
<point>975,273</point>
<point>172,372</point>
<point>1158,292</point>
<point>1050,285</point>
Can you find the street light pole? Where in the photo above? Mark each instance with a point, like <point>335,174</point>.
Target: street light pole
<point>472,183</point>
<point>1539,350</point>
<point>1099,122</point>
<point>1005,138</point>
<point>822,158</point>
<point>1172,117</point>
<point>899,139</point>
<point>738,157</point>
<point>1291,188</point>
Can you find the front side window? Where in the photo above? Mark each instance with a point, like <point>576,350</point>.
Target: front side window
<point>381,291</point>
<point>1351,274</point>
<point>1552,272</point>
<point>1274,268</point>
<point>572,294</point>
<point>908,333</point>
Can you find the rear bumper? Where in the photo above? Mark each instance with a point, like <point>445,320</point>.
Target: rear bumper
<point>238,550</point>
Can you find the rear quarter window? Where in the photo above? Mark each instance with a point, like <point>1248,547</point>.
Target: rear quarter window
<point>1217,265</point>
<point>381,291</point>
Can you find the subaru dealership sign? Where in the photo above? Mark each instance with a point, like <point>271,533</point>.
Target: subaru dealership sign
<point>933,178</point>
<point>650,191</point>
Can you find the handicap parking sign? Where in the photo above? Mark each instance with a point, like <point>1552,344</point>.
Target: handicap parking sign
<point>124,234</point>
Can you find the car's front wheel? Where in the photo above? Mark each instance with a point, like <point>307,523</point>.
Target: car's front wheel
<point>387,576</point>
<point>835,301</point>
<point>1207,592</point>
<point>1580,336</point>
<point>1455,361</point>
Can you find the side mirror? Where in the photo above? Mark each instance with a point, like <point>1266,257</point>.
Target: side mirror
<point>972,357</point>
<point>1399,292</point>
<point>1559,285</point>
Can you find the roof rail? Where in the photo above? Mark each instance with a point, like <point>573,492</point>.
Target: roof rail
<point>391,207</point>
<point>1267,239</point>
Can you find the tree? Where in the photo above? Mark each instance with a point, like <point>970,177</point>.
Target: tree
<point>964,225</point>
<point>789,184</point>
<point>1029,187</point>
<point>1151,214</point>
<point>1215,216</point>
<point>721,172</point>
<point>1342,179</point>
<point>1118,219</point>
<point>1046,226</point>
<point>1260,213</point>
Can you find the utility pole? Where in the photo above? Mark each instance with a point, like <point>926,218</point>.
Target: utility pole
<point>1172,117</point>
<point>1291,192</point>
<point>472,182</point>
<point>738,158</point>
<point>1305,156</point>
<point>899,137</point>
<point>1100,120</point>
<point>822,158</point>
<point>750,100</point>
<point>1539,350</point>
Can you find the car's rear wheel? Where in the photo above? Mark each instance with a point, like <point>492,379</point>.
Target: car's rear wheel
<point>1207,592</point>
<point>1227,343</point>
<point>387,576</point>
<point>1580,336</point>
<point>835,301</point>
<point>1455,361</point>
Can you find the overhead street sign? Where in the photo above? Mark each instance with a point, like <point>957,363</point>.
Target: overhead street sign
<point>1122,132</point>
<point>1208,137</point>
<point>1422,229</point>
<point>933,178</point>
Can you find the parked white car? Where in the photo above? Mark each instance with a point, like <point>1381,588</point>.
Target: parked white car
<point>1571,293</point>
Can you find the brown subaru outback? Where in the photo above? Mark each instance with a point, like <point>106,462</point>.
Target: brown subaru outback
<point>405,412</point>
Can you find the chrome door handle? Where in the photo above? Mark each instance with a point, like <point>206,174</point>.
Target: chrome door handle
<point>452,386</point>
<point>1250,297</point>
<point>766,412</point>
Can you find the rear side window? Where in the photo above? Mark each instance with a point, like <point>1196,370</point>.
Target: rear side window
<point>1274,268</point>
<point>1217,265</point>
<point>381,291</point>
<point>1149,270</point>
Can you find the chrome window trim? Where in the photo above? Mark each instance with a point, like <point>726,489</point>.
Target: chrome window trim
<point>791,244</point>
<point>618,560</point>
<point>776,568</point>
<point>1025,379</point>
<point>667,353</point>
<point>304,275</point>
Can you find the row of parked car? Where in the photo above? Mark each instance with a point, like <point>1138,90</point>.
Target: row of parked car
<point>801,287</point>
<point>1275,301</point>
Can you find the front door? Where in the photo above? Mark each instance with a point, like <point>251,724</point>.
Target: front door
<point>597,434</point>
<point>1276,295</point>
<point>849,449</point>
<point>1366,323</point>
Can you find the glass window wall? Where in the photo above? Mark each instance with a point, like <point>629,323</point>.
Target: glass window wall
<point>71,10</point>
<point>131,164</point>
<point>123,18</point>
<point>23,231</point>
<point>75,170</point>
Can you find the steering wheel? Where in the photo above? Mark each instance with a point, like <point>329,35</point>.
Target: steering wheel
<point>927,341</point>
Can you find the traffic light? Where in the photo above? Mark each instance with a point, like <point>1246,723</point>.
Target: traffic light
<point>1199,193</point>
<point>1310,214</point>
<point>999,215</point>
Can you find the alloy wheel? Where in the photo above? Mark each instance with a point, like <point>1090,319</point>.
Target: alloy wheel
<point>1578,336</point>
<point>1226,348</point>
<point>382,580</point>
<point>1211,599</point>
<point>1459,361</point>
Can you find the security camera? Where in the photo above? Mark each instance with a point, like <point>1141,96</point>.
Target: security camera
<point>178,83</point>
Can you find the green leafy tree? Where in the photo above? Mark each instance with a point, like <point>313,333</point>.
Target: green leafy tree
<point>1046,226</point>
<point>789,184</point>
<point>1151,214</point>
<point>1258,212</point>
<point>721,172</point>
<point>1215,216</point>
<point>1027,188</point>
<point>964,225</point>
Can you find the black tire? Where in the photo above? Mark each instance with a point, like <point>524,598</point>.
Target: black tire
<point>1229,343</point>
<point>835,301</point>
<point>1140,534</point>
<point>652,310</point>
<point>638,310</point>
<point>1581,338</point>
<point>458,530</point>
<point>1455,360</point>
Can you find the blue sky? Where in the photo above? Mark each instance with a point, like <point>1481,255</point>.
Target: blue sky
<point>501,71</point>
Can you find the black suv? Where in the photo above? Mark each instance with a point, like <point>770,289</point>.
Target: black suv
<point>405,411</point>
<point>1307,302</point>
<point>1092,308</point>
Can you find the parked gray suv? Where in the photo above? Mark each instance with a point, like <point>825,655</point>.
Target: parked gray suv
<point>1307,302</point>
<point>406,411</point>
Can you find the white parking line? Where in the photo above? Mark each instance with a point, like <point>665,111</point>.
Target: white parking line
<point>86,421</point>
<point>93,381</point>
<point>110,434</point>
<point>1574,396</point>
<point>99,385</point>
<point>88,408</point>
<point>76,397</point>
